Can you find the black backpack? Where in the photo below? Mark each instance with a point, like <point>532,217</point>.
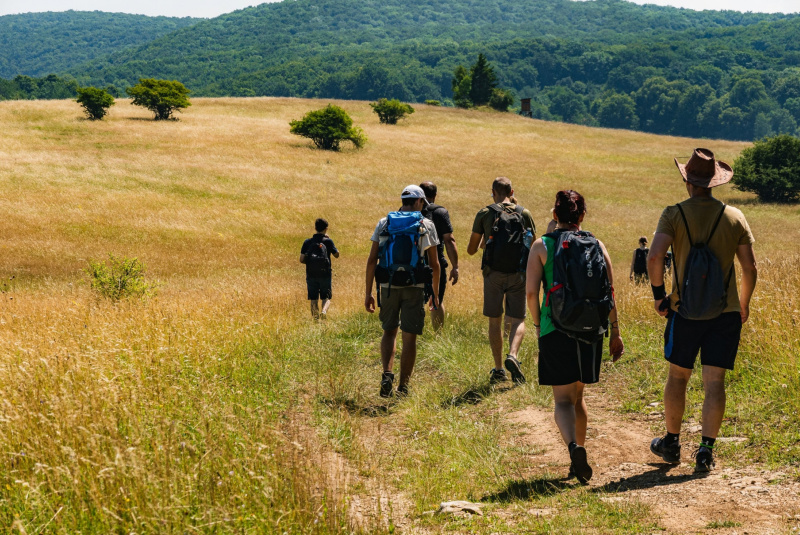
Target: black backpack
<point>318,263</point>
<point>703,292</point>
<point>581,296</point>
<point>640,261</point>
<point>505,248</point>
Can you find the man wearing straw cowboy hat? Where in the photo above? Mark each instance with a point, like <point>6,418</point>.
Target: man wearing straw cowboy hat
<point>705,311</point>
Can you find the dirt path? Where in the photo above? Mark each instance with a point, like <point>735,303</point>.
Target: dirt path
<point>751,500</point>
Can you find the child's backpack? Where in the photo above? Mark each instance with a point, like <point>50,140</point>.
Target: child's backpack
<point>318,263</point>
<point>640,261</point>
<point>581,296</point>
<point>703,292</point>
<point>399,261</point>
<point>505,249</point>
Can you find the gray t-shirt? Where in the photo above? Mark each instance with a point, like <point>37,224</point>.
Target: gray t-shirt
<point>427,239</point>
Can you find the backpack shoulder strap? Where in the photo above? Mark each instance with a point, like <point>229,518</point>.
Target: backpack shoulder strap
<point>496,207</point>
<point>519,209</point>
<point>685,224</point>
<point>716,223</point>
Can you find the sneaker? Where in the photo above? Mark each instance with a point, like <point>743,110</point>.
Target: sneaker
<point>496,376</point>
<point>387,383</point>
<point>704,459</point>
<point>402,391</point>
<point>512,365</point>
<point>580,465</point>
<point>670,453</point>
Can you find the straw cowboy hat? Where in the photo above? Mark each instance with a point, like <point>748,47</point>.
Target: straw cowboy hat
<point>704,171</point>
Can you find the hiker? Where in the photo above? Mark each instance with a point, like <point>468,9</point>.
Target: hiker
<point>639,262</point>
<point>506,231</point>
<point>444,230</point>
<point>316,255</point>
<point>705,312</point>
<point>576,312</point>
<point>402,260</point>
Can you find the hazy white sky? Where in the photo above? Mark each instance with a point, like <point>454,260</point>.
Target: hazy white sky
<point>212,8</point>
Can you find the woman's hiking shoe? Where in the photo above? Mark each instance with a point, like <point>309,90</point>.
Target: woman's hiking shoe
<point>387,384</point>
<point>580,465</point>
<point>704,459</point>
<point>496,376</point>
<point>512,365</point>
<point>671,453</point>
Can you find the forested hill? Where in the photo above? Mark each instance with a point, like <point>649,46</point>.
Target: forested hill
<point>37,44</point>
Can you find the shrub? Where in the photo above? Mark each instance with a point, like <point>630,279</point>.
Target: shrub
<point>770,169</point>
<point>95,102</point>
<point>433,103</point>
<point>328,127</point>
<point>120,278</point>
<point>391,111</point>
<point>162,97</point>
<point>501,99</point>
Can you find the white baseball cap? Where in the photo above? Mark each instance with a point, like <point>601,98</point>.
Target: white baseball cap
<point>414,192</point>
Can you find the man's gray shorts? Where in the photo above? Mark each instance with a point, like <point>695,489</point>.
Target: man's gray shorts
<point>404,307</point>
<point>504,288</point>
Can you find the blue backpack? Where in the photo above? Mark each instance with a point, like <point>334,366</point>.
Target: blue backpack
<point>399,262</point>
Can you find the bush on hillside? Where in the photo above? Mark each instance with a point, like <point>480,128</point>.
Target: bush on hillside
<point>391,111</point>
<point>328,127</point>
<point>770,169</point>
<point>162,97</point>
<point>501,99</point>
<point>433,102</point>
<point>95,102</point>
<point>119,278</point>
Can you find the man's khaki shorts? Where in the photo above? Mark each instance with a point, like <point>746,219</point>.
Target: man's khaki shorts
<point>504,288</point>
<point>404,307</point>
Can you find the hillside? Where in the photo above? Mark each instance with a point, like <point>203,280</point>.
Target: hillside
<point>37,44</point>
<point>217,406</point>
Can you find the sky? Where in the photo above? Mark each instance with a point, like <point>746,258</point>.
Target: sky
<point>213,8</point>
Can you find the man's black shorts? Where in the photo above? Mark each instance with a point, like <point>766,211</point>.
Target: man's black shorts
<point>319,288</point>
<point>564,360</point>
<point>716,340</point>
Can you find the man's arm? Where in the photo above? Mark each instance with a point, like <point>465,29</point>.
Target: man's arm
<point>655,265</point>
<point>633,261</point>
<point>372,263</point>
<point>474,242</point>
<point>433,262</point>
<point>302,259</point>
<point>747,259</point>
<point>452,253</point>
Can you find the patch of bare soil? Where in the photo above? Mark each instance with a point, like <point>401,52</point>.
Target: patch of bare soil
<point>749,500</point>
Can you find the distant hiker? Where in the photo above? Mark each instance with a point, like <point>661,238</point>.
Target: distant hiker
<point>576,312</point>
<point>705,312</point>
<point>639,262</point>
<point>402,260</point>
<point>316,255</point>
<point>668,262</point>
<point>506,230</point>
<point>444,230</point>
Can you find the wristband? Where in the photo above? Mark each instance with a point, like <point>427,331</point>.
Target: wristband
<point>658,292</point>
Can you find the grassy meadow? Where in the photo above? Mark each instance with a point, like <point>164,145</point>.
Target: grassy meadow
<point>218,407</point>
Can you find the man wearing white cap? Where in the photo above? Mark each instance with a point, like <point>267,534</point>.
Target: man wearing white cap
<point>402,260</point>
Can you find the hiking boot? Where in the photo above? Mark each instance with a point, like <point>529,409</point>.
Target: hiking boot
<point>580,465</point>
<point>387,384</point>
<point>704,459</point>
<point>402,391</point>
<point>496,376</point>
<point>512,365</point>
<point>670,453</point>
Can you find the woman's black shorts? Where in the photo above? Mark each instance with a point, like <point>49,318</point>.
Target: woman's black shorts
<point>564,360</point>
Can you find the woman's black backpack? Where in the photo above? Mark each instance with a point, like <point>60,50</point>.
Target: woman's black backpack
<point>581,296</point>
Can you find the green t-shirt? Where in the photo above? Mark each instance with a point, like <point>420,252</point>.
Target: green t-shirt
<point>546,322</point>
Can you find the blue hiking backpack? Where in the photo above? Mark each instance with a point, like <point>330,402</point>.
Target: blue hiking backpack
<point>399,261</point>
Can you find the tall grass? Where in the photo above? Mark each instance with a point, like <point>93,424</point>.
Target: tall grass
<point>215,405</point>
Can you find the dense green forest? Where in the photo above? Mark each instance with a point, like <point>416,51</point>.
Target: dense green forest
<point>603,62</point>
<point>37,44</point>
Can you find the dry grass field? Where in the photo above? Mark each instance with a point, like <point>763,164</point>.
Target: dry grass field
<point>217,406</point>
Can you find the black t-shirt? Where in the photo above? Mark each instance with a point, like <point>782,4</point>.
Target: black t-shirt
<point>441,220</point>
<point>317,238</point>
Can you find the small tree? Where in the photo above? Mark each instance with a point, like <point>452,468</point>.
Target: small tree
<point>483,81</point>
<point>162,97</point>
<point>770,169</point>
<point>328,127</point>
<point>462,83</point>
<point>95,101</point>
<point>391,111</point>
<point>501,99</point>
<point>119,278</point>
